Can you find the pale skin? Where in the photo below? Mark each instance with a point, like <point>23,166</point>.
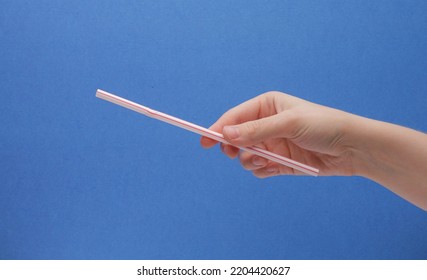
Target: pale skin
<point>334,141</point>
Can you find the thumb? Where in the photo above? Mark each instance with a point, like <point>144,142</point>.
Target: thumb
<point>253,132</point>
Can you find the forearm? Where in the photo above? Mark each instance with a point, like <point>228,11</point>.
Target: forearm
<point>393,156</point>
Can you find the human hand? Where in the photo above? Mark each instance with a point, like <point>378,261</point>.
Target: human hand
<point>288,126</point>
<point>335,142</point>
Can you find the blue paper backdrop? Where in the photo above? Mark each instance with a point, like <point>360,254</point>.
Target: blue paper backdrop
<point>81,178</point>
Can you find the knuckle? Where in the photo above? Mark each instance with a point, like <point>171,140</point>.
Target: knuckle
<point>291,118</point>
<point>284,170</point>
<point>245,161</point>
<point>292,122</point>
<point>271,93</point>
<point>252,128</point>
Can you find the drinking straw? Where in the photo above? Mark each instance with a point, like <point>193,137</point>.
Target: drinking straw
<point>204,131</point>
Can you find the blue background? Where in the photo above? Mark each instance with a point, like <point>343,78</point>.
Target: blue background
<point>81,178</point>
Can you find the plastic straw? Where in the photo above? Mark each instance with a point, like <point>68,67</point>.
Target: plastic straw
<point>204,131</point>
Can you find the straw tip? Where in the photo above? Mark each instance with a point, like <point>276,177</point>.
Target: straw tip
<point>102,93</point>
<point>99,92</point>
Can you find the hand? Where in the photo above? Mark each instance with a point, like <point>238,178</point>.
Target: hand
<point>289,126</point>
<point>335,142</point>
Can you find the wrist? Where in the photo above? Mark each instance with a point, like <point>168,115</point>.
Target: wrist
<point>362,143</point>
<point>373,143</point>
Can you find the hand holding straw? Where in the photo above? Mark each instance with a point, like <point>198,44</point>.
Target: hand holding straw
<point>204,131</point>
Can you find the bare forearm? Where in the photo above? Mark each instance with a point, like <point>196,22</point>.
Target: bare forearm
<point>393,156</point>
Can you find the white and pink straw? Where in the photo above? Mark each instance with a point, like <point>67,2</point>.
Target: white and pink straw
<point>204,131</point>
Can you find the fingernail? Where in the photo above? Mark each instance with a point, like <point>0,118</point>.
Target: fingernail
<point>259,161</point>
<point>271,169</point>
<point>232,132</point>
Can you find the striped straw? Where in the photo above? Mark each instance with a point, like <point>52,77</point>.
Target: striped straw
<point>204,131</point>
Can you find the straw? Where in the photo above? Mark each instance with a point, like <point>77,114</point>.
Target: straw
<point>204,131</point>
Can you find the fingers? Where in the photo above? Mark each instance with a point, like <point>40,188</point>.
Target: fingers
<point>252,162</point>
<point>282,125</point>
<point>253,132</point>
<point>261,167</point>
<point>258,107</point>
<point>231,151</point>
<point>253,113</point>
<point>207,142</point>
<point>268,116</point>
<point>266,172</point>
